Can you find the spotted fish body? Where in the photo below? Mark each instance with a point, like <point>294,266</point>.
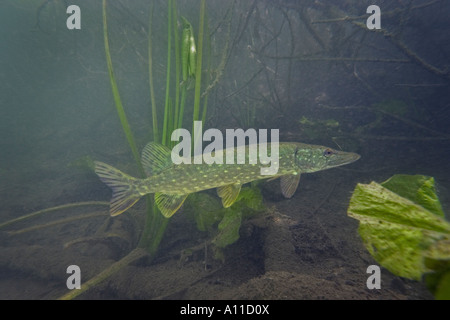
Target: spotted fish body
<point>172,183</point>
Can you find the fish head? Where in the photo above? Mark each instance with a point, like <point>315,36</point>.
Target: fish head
<point>312,158</point>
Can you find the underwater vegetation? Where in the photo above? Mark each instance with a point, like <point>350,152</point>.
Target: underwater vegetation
<point>316,129</point>
<point>189,61</point>
<point>403,226</point>
<point>308,68</point>
<point>183,84</point>
<point>207,211</point>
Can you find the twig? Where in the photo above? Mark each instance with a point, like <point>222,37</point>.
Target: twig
<point>338,59</point>
<point>304,18</point>
<point>407,121</point>
<point>245,84</point>
<point>399,138</point>
<point>420,85</point>
<point>224,59</point>
<point>385,14</point>
<point>408,52</point>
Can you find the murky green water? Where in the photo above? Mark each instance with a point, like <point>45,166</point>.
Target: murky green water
<point>288,65</point>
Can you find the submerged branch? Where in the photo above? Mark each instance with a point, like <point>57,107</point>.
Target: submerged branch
<point>393,12</point>
<point>407,51</point>
<point>442,136</point>
<point>394,138</point>
<point>337,59</point>
<point>223,61</point>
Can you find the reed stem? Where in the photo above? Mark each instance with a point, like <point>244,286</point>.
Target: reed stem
<point>47,210</point>
<point>150,76</point>
<point>116,95</point>
<point>169,47</point>
<point>198,75</point>
<point>132,256</point>
<point>198,70</point>
<point>176,124</point>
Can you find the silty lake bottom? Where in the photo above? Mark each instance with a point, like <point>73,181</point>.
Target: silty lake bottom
<point>300,68</point>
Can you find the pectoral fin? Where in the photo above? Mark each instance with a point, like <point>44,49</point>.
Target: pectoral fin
<point>168,204</point>
<point>289,184</point>
<point>229,194</point>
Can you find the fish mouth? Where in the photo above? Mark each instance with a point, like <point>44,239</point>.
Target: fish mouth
<point>349,157</point>
<point>342,158</point>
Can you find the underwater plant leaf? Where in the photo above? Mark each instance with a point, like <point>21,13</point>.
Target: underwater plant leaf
<point>305,121</point>
<point>373,201</point>
<point>331,123</point>
<point>250,198</point>
<point>248,202</point>
<point>396,231</point>
<point>228,228</point>
<point>417,188</point>
<point>206,209</point>
<point>385,242</point>
<point>440,250</point>
<point>443,288</point>
<point>437,281</point>
<point>316,128</point>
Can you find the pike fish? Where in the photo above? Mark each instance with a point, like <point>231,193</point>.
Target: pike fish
<point>172,183</point>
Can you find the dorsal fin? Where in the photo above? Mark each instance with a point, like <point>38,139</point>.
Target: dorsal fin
<point>289,184</point>
<point>229,194</point>
<point>155,158</point>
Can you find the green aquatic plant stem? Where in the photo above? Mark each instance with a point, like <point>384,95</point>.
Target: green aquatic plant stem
<point>169,47</point>
<point>152,215</point>
<point>116,95</point>
<point>156,223</point>
<point>198,70</point>
<point>150,76</point>
<point>47,210</point>
<point>155,226</point>
<point>208,66</point>
<point>132,256</point>
<point>205,105</point>
<point>176,124</point>
<point>58,222</point>
<point>182,104</point>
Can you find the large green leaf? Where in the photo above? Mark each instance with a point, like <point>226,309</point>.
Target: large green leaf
<point>397,231</point>
<point>443,288</point>
<point>206,209</point>
<point>249,201</point>
<point>419,189</point>
<point>228,228</point>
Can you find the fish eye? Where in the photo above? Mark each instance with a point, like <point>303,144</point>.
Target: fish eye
<point>328,152</point>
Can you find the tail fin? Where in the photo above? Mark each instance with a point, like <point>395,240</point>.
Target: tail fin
<point>123,186</point>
